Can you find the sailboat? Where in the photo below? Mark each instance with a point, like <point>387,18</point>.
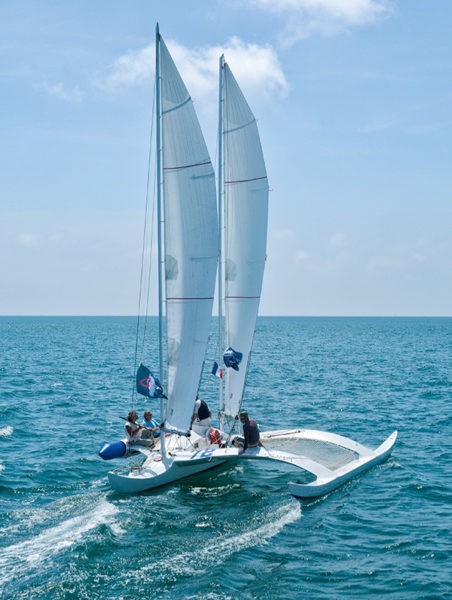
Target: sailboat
<point>188,253</point>
<point>189,243</point>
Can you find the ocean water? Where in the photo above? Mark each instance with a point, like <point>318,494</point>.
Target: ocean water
<point>235,532</point>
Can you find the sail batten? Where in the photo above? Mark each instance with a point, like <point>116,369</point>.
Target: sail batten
<point>188,299</point>
<point>227,131</point>
<point>168,110</point>
<point>205,162</point>
<point>245,180</point>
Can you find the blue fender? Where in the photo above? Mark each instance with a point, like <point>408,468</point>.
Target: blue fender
<point>111,450</point>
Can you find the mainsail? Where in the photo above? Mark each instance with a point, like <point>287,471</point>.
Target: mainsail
<point>244,194</point>
<point>190,241</point>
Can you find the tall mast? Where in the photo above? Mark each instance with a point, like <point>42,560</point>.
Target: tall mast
<point>220,227</point>
<point>159,194</point>
<point>158,153</point>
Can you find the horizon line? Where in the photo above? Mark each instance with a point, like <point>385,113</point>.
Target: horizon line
<point>308,316</point>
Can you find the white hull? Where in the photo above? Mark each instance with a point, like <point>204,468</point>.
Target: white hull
<point>329,460</point>
<point>158,470</point>
<point>327,475</point>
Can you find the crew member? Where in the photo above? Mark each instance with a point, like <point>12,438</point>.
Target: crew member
<point>202,417</point>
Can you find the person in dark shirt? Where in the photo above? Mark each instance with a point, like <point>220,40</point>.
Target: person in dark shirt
<point>202,417</point>
<point>251,436</point>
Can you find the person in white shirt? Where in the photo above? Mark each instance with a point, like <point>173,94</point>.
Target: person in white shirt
<point>133,430</point>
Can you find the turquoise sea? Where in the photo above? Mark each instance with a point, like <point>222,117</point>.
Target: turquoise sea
<point>235,533</point>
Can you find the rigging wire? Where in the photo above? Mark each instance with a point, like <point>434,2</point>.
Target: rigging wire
<point>143,253</point>
<point>149,274</point>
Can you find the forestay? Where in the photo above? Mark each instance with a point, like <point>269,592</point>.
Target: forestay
<point>245,201</point>
<point>190,242</point>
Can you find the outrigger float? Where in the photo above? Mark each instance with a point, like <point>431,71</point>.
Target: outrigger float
<point>328,460</point>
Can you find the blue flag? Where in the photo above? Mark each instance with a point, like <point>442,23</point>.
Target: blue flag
<point>147,384</point>
<point>232,358</point>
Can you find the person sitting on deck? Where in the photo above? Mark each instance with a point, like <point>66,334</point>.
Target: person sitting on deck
<point>133,430</point>
<point>251,435</point>
<point>151,427</point>
<point>202,417</point>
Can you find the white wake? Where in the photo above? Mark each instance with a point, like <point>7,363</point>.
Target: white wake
<point>16,560</point>
<point>182,563</point>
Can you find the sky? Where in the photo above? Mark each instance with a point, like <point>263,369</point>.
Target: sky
<point>354,105</point>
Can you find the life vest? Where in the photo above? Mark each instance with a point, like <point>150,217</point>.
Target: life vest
<point>203,411</point>
<point>215,437</point>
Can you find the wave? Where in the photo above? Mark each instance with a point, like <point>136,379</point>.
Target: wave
<point>16,560</point>
<point>209,556</point>
<point>6,431</point>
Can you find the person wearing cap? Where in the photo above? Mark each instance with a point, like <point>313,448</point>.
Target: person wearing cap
<point>251,435</point>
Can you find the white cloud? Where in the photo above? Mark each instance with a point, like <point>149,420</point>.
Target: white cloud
<point>33,240</point>
<point>419,258</point>
<point>54,238</point>
<point>60,91</point>
<point>283,235</point>
<point>256,67</point>
<point>301,256</point>
<point>338,240</point>
<point>383,262</point>
<point>327,17</point>
<point>28,240</point>
<point>130,69</point>
<point>399,261</point>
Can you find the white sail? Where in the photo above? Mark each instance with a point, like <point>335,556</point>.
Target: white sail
<point>245,215</point>
<point>190,242</point>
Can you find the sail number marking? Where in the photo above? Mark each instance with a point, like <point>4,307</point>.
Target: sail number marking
<point>203,453</point>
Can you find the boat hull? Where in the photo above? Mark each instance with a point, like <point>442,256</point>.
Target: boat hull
<point>183,459</point>
<point>325,478</point>
<point>322,486</point>
<point>158,471</point>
